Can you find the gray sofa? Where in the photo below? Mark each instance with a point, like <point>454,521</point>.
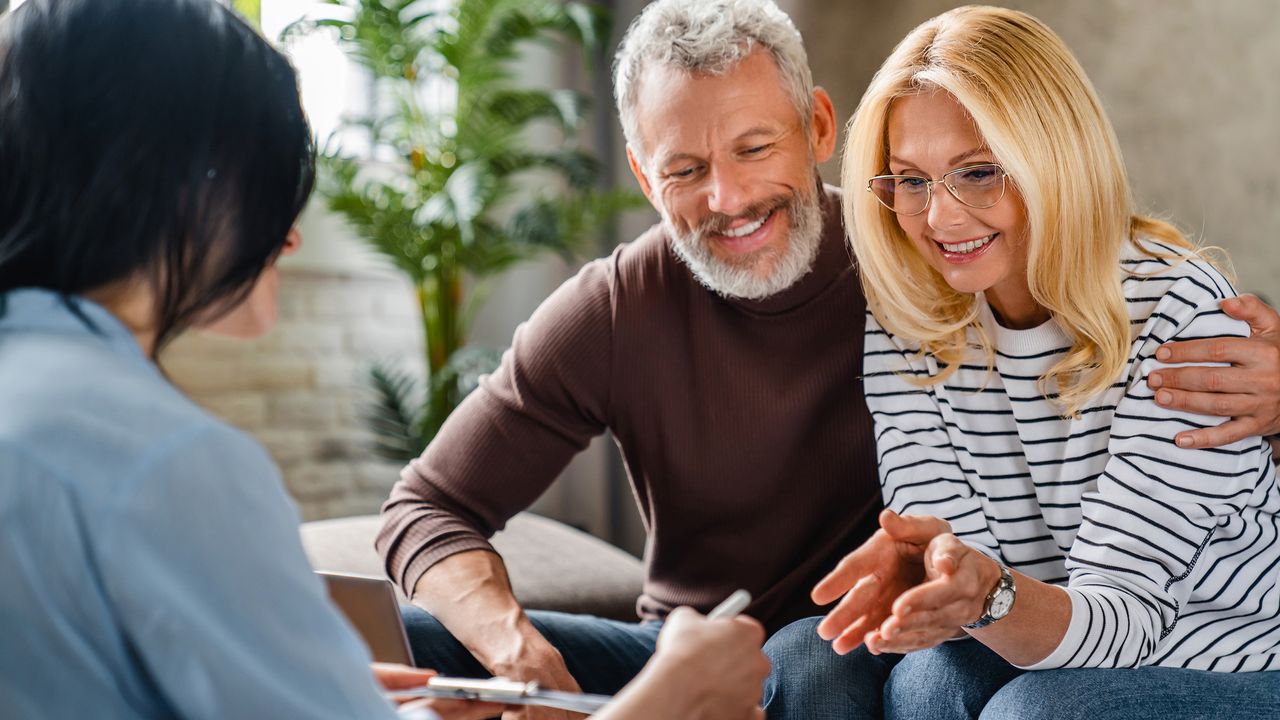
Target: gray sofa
<point>552,566</point>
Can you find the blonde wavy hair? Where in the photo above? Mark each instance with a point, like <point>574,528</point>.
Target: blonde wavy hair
<point>1042,120</point>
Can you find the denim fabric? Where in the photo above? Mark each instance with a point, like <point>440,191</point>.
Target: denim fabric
<point>1158,693</point>
<point>602,655</point>
<point>953,680</point>
<point>809,681</point>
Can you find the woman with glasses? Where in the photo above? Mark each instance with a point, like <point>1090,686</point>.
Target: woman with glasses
<point>1036,502</point>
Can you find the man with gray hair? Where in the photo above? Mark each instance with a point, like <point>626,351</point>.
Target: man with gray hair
<point>722,349</point>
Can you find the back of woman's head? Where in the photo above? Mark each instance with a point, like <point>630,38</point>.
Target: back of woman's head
<point>1040,117</point>
<point>160,141</point>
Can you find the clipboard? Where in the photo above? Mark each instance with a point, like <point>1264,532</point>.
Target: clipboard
<point>504,691</point>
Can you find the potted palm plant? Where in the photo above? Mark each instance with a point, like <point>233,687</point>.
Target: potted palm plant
<point>453,195</point>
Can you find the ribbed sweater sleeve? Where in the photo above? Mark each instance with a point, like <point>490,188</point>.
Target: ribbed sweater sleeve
<point>508,440</point>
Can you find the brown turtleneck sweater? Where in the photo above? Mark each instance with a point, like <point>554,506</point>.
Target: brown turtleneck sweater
<point>742,423</point>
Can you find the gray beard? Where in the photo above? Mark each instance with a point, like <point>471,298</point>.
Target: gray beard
<point>738,279</point>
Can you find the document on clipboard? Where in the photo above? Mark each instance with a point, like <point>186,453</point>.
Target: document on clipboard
<point>502,690</point>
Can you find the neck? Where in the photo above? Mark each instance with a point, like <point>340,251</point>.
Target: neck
<point>1015,308</point>
<point>131,303</point>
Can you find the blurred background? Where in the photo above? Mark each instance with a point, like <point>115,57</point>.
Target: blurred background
<point>1190,85</point>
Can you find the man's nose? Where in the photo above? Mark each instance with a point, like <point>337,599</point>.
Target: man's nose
<point>727,194</point>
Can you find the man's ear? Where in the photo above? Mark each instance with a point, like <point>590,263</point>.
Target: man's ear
<point>636,170</point>
<point>823,124</point>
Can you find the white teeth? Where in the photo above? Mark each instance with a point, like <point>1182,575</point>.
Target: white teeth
<point>746,229</point>
<point>967,247</point>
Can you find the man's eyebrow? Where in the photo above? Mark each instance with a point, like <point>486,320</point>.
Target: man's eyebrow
<point>760,130</point>
<point>668,160</point>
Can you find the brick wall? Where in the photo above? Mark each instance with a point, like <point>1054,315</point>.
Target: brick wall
<point>301,388</point>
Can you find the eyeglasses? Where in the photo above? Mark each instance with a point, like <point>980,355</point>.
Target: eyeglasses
<point>978,186</point>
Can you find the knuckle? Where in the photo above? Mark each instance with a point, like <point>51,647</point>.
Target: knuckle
<point>1219,350</point>
<point>1221,406</point>
<point>1268,383</point>
<point>1270,355</point>
<point>1214,381</point>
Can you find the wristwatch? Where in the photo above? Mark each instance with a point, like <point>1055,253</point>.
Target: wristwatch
<point>999,600</point>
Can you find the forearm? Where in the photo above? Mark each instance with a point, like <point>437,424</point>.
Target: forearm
<point>470,594</point>
<point>1034,627</point>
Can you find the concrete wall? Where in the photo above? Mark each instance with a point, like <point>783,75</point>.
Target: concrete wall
<point>1190,85</point>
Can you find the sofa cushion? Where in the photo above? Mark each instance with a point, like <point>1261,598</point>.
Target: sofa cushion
<point>552,566</point>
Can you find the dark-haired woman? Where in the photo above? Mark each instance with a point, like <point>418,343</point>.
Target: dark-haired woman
<point>153,160</point>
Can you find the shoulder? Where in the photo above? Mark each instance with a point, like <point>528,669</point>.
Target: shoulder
<point>95,418</point>
<point>1153,267</point>
<point>1168,289</point>
<point>641,276</point>
<point>885,353</point>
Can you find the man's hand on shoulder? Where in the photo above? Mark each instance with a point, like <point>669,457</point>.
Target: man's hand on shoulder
<point>1247,390</point>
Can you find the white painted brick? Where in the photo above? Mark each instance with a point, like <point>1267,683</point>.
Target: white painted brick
<point>287,447</point>
<point>209,376</point>
<point>247,411</point>
<point>342,302</point>
<point>348,505</point>
<point>309,337</point>
<point>320,480</point>
<point>342,373</point>
<point>377,476</point>
<point>303,410</point>
<point>366,341</point>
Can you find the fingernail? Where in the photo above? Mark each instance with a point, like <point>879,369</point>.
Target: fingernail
<point>1163,354</point>
<point>1185,441</point>
<point>1154,380</point>
<point>1164,397</point>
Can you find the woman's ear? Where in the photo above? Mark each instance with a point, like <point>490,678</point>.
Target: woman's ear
<point>292,241</point>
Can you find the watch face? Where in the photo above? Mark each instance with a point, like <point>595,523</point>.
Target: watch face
<point>1002,603</point>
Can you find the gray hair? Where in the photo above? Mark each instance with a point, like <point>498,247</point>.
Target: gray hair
<point>708,37</point>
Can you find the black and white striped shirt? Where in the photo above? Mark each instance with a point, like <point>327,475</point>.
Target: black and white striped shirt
<point>1170,556</point>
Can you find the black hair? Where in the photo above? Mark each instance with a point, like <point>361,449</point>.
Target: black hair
<point>155,139</point>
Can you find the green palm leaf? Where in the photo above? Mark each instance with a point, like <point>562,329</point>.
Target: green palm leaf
<point>460,191</point>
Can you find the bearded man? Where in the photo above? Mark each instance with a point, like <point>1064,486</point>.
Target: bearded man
<point>722,349</point>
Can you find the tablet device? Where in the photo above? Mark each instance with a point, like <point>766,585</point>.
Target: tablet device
<point>371,607</point>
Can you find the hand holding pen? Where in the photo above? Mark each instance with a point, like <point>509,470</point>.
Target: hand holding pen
<point>706,667</point>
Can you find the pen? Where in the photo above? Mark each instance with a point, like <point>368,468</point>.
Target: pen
<point>732,605</point>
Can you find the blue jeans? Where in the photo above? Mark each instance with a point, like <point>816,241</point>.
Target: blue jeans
<point>965,679</point>
<point>602,655</point>
<point>1158,693</point>
<point>810,681</point>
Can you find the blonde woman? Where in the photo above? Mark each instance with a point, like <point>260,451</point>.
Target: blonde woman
<point>1036,501</point>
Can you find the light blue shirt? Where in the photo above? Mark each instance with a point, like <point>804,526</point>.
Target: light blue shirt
<point>150,564</point>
